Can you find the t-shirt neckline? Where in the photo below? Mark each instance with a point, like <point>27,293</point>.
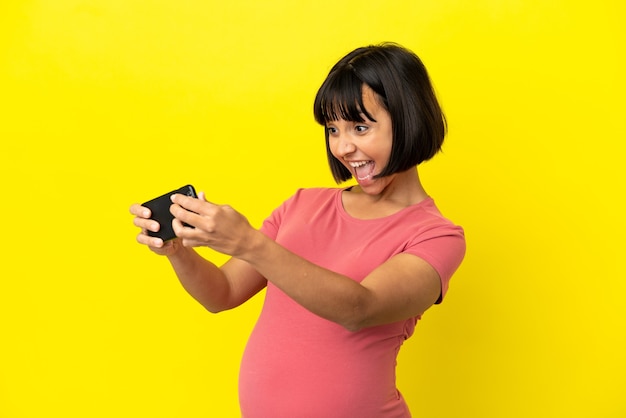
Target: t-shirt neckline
<point>344,213</point>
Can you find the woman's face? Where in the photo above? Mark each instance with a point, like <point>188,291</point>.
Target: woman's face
<point>364,147</point>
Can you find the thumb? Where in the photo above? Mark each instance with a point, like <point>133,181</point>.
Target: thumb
<point>202,198</point>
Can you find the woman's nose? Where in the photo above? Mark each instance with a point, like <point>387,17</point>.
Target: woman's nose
<point>345,145</point>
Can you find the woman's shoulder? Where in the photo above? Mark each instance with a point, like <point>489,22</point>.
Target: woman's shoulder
<point>315,193</point>
<point>430,215</point>
<point>310,197</point>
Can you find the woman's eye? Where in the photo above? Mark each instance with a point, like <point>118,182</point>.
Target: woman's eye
<point>331,130</point>
<point>361,128</point>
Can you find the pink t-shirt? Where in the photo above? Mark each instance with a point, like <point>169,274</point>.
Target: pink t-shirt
<point>299,365</point>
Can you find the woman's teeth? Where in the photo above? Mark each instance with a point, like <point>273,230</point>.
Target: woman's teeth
<point>362,169</point>
<point>356,164</point>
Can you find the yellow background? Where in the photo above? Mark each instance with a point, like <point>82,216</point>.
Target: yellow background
<point>109,102</point>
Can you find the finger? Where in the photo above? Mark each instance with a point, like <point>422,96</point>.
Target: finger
<point>197,213</point>
<point>150,241</point>
<point>141,211</point>
<point>190,243</point>
<point>192,204</point>
<point>146,224</point>
<point>178,227</point>
<point>181,224</point>
<point>185,234</point>
<point>183,215</point>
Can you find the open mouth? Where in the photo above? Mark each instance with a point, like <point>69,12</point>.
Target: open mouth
<point>363,169</point>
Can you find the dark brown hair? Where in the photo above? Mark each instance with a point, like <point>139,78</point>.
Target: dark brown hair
<point>404,89</point>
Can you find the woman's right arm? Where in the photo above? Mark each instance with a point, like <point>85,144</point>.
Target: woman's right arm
<point>217,289</point>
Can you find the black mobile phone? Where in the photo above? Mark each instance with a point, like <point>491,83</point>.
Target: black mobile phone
<point>160,208</point>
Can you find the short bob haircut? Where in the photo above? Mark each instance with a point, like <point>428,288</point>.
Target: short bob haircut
<point>404,89</point>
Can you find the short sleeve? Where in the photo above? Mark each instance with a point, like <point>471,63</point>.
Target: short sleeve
<point>272,223</point>
<point>443,248</point>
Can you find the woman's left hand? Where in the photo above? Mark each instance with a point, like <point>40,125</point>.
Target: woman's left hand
<point>219,227</point>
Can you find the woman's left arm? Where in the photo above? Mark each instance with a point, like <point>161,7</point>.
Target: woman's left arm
<point>401,288</point>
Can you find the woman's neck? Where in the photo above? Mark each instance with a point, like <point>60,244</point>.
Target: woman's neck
<point>402,190</point>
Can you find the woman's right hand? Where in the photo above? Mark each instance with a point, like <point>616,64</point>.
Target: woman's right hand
<point>143,221</point>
